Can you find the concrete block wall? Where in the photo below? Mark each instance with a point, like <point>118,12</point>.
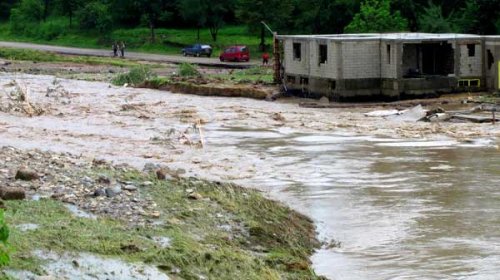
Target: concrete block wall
<point>492,78</point>
<point>361,60</point>
<point>326,70</point>
<point>293,66</point>
<point>470,66</point>
<point>389,70</point>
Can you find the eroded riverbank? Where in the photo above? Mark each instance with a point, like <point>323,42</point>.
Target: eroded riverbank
<point>338,166</point>
<point>87,219</point>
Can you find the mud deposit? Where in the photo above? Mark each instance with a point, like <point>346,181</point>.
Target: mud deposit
<point>402,199</point>
<point>89,267</point>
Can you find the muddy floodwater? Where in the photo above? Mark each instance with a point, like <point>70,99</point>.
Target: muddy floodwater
<point>398,199</point>
<point>399,209</point>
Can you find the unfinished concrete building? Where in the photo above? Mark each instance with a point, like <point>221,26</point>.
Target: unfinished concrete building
<point>389,66</point>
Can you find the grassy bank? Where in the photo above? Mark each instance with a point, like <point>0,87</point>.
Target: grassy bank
<point>227,232</point>
<point>39,56</point>
<point>251,83</point>
<point>169,41</point>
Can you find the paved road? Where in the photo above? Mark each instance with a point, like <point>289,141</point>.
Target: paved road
<point>130,55</point>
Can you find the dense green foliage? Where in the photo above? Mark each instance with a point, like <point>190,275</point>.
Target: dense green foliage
<point>376,16</point>
<point>54,19</point>
<point>188,70</point>
<point>134,77</point>
<point>4,236</point>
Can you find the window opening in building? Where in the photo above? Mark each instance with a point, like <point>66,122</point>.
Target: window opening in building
<point>388,54</point>
<point>437,59</point>
<point>304,81</point>
<point>472,49</point>
<point>333,85</point>
<point>323,54</point>
<point>491,59</point>
<point>297,53</point>
<point>291,79</point>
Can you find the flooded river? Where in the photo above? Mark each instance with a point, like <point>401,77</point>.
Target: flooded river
<point>402,200</point>
<point>399,209</point>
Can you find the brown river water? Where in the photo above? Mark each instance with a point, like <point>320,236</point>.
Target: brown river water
<point>403,200</point>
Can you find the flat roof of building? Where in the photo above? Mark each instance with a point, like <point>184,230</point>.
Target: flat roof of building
<point>403,36</point>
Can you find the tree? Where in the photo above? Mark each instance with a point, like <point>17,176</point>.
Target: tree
<point>210,12</point>
<point>276,13</point>
<point>46,8</point>
<point>432,20</point>
<point>26,17</point>
<point>153,11</point>
<point>480,17</point>
<point>216,11</point>
<point>95,15</point>
<point>324,16</point>
<point>376,16</point>
<point>5,6</point>
<point>68,8</point>
<point>193,11</point>
<point>409,9</point>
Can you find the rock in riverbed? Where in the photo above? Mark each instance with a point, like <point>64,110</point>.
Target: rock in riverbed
<point>112,192</point>
<point>12,193</point>
<point>27,175</point>
<point>130,188</point>
<point>77,181</point>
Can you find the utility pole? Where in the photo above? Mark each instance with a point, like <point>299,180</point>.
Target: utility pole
<point>276,54</point>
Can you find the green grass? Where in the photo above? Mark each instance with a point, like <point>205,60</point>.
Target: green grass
<point>135,76</point>
<point>169,41</point>
<point>199,244</point>
<point>252,75</point>
<point>39,56</point>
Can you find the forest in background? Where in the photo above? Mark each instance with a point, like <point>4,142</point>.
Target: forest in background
<point>152,22</point>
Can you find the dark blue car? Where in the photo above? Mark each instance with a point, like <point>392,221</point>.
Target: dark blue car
<point>197,50</point>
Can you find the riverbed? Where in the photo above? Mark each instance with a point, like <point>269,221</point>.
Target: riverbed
<point>401,200</point>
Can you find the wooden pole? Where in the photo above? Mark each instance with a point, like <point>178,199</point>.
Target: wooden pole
<point>277,59</point>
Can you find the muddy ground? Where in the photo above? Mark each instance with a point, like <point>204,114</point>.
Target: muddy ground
<point>53,111</point>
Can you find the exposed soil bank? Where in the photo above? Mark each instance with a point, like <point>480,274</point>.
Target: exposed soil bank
<point>214,230</point>
<point>225,90</point>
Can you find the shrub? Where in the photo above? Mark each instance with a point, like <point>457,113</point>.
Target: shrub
<point>136,76</point>
<point>25,18</point>
<point>4,245</point>
<point>51,30</point>
<point>96,16</point>
<point>188,70</point>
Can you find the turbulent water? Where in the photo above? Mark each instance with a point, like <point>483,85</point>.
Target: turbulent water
<point>399,209</point>
<point>402,200</point>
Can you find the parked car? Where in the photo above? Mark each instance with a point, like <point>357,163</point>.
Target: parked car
<point>235,53</point>
<point>197,50</point>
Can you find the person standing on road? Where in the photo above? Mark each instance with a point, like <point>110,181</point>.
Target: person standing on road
<point>265,58</point>
<point>115,48</point>
<point>121,46</point>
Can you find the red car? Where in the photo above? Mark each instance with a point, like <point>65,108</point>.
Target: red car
<point>235,53</point>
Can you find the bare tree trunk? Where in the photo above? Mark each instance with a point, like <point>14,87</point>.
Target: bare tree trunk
<point>70,19</point>
<point>153,35</point>
<point>46,9</point>
<point>213,32</point>
<point>262,44</point>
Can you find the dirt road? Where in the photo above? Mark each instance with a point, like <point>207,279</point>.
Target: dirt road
<point>177,59</point>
